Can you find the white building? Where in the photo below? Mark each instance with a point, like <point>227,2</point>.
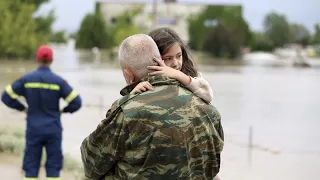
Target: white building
<point>173,15</point>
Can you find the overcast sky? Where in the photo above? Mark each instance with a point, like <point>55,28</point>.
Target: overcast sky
<point>69,13</point>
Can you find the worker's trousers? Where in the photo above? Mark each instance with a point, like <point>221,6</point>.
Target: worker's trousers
<point>33,154</point>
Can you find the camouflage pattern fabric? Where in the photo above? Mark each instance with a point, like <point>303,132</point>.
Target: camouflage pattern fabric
<point>168,133</point>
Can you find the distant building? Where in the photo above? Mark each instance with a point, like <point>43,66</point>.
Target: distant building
<point>173,15</point>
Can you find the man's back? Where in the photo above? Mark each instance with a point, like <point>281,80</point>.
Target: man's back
<point>42,90</point>
<point>172,134</point>
<point>167,133</point>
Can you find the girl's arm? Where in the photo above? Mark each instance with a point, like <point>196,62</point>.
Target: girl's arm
<point>198,85</point>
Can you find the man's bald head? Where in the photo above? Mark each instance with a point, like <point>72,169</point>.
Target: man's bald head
<point>136,53</point>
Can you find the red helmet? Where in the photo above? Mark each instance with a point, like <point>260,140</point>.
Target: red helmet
<point>44,53</point>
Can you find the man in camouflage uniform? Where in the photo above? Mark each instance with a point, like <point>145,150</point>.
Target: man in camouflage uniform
<point>167,133</point>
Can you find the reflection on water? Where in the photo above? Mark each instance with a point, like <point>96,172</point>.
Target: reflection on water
<point>281,104</point>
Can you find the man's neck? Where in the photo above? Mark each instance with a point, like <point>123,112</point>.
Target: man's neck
<point>44,65</point>
<point>156,80</point>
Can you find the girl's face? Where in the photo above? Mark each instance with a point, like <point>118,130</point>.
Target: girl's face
<point>173,57</point>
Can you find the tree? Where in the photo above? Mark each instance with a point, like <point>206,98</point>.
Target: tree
<point>20,33</point>
<point>196,32</point>
<point>217,42</point>
<point>58,37</point>
<point>300,34</point>
<point>219,30</point>
<point>261,42</point>
<point>93,29</point>
<point>124,25</point>
<point>17,36</point>
<point>37,3</point>
<point>277,29</point>
<point>93,32</point>
<point>73,35</point>
<point>43,25</point>
<point>316,37</point>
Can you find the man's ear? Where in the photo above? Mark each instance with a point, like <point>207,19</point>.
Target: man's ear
<point>128,75</point>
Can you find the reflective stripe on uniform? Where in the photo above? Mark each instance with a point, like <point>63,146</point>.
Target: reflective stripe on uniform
<point>37,85</point>
<point>71,96</point>
<point>28,178</point>
<point>53,178</point>
<point>11,93</point>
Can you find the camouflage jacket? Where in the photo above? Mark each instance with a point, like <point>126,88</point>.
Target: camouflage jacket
<point>168,133</point>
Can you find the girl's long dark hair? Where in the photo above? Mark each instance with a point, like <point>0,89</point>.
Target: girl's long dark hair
<point>165,38</point>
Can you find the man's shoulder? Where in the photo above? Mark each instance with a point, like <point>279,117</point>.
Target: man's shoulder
<point>30,76</point>
<point>162,97</point>
<point>122,101</point>
<point>57,79</point>
<point>56,76</point>
<point>37,73</point>
<point>212,111</point>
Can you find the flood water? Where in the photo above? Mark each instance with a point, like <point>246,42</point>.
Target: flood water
<point>280,103</point>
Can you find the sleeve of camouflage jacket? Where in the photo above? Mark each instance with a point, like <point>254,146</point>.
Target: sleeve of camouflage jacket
<point>101,150</point>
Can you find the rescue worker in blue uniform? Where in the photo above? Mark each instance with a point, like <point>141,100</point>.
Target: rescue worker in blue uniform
<point>42,90</point>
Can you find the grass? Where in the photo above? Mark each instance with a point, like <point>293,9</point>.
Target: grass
<point>12,142</point>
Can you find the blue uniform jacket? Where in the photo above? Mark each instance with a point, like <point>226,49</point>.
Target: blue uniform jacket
<point>42,90</point>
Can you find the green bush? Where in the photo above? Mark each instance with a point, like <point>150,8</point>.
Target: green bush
<point>11,144</point>
<point>12,140</point>
<point>261,43</point>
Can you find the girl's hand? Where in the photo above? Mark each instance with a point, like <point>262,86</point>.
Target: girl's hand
<point>142,87</point>
<point>163,69</point>
<point>159,61</point>
<point>170,72</point>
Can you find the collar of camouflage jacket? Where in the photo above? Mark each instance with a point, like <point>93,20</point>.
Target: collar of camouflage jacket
<point>157,80</point>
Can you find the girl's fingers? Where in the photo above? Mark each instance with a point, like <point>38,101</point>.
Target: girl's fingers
<point>142,88</point>
<point>149,86</point>
<point>155,72</point>
<point>159,61</point>
<point>136,91</point>
<point>158,68</point>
